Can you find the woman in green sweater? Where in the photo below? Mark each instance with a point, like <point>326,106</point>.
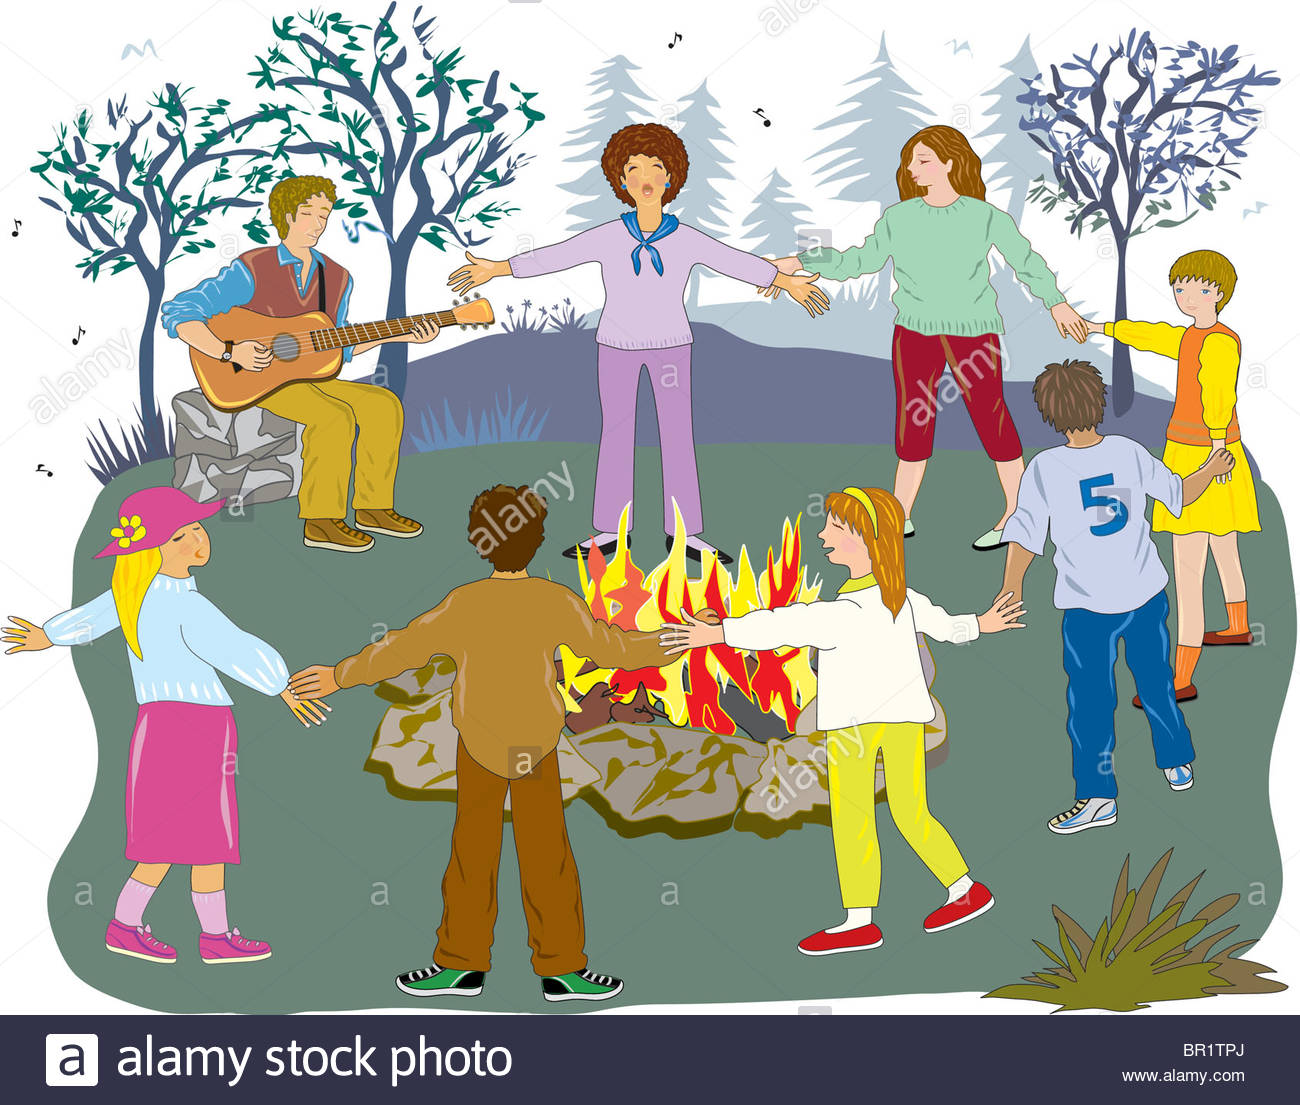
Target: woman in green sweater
<point>939,237</point>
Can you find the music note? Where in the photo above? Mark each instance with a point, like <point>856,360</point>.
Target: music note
<point>80,330</point>
<point>17,224</point>
<point>766,121</point>
<point>42,468</point>
<point>676,39</point>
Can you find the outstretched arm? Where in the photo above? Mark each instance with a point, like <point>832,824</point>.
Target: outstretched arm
<point>1013,577</point>
<point>78,626</point>
<point>1151,337</point>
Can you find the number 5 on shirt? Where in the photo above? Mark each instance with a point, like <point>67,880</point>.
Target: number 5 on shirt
<point>1119,512</point>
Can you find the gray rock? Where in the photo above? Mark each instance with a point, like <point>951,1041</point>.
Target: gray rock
<point>415,746</point>
<point>253,456</point>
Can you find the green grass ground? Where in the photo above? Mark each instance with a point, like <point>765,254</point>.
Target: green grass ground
<point>343,878</point>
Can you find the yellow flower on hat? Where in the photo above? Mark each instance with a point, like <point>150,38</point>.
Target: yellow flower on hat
<point>129,532</point>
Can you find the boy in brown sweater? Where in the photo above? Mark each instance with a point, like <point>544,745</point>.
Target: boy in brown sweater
<point>502,632</point>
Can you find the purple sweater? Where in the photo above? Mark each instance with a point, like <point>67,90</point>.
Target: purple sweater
<point>644,311</point>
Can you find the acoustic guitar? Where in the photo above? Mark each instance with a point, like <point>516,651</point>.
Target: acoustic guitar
<point>304,347</point>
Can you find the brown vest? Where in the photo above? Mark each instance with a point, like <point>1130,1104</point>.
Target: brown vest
<point>275,289</point>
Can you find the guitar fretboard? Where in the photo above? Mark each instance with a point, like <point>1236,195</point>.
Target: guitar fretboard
<point>356,333</point>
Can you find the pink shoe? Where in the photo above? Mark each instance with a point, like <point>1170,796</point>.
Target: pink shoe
<point>850,940</point>
<point>970,905</point>
<point>230,947</point>
<point>138,943</point>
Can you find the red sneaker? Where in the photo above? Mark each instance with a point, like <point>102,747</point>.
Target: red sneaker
<point>850,940</point>
<point>970,905</point>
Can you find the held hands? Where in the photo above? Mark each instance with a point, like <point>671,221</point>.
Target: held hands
<point>479,271</point>
<point>692,633</point>
<point>1220,463</point>
<point>24,636</point>
<point>1003,614</point>
<point>802,291</point>
<point>309,713</point>
<point>313,682</point>
<point>251,356</point>
<point>1096,328</point>
<point>1070,323</point>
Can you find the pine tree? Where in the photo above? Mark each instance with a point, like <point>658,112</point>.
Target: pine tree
<point>700,203</point>
<point>776,216</point>
<point>1020,160</point>
<point>885,111</point>
<point>618,101</point>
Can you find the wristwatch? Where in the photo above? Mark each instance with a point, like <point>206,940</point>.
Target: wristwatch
<point>230,347</point>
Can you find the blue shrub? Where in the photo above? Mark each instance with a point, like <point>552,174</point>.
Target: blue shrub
<point>112,459</point>
<point>504,423</point>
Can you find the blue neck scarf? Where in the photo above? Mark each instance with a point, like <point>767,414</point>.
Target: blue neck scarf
<point>665,228</point>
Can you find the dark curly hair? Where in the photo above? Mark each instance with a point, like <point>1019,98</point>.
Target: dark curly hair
<point>648,140</point>
<point>506,525</point>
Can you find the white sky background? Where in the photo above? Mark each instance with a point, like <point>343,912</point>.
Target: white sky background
<point>57,56</point>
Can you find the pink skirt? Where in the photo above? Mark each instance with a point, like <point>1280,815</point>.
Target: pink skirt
<point>180,785</point>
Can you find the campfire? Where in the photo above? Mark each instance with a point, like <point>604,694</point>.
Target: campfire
<point>719,689</point>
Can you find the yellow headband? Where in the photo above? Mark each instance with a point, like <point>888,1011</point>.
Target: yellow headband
<point>861,496</point>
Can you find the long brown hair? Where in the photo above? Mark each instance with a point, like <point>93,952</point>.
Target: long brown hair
<point>949,144</point>
<point>884,540</point>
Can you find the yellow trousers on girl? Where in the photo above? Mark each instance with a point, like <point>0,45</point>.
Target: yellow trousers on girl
<point>851,765</point>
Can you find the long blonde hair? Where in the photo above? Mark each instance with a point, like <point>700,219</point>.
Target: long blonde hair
<point>949,144</point>
<point>884,540</point>
<point>132,574</point>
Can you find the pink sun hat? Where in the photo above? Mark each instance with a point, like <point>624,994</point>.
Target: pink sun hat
<point>150,518</point>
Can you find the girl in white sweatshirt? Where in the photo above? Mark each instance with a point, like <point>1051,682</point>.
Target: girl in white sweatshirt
<point>872,699</point>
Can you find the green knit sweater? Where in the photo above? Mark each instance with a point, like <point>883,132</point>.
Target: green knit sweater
<point>941,264</point>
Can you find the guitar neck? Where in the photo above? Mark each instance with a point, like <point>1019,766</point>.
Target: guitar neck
<point>359,332</point>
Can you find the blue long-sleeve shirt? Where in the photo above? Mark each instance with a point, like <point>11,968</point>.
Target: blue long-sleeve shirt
<point>184,641</point>
<point>233,287</point>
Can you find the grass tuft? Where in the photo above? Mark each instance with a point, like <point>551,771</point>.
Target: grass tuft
<point>1135,958</point>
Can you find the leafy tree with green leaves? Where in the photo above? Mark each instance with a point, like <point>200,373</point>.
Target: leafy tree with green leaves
<point>425,146</point>
<point>142,193</point>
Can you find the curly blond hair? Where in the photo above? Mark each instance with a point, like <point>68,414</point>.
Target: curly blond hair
<point>290,193</point>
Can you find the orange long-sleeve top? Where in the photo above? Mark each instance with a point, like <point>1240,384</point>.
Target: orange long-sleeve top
<point>502,635</point>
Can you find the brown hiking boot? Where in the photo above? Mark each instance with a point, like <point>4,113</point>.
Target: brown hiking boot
<point>334,533</point>
<point>388,522</point>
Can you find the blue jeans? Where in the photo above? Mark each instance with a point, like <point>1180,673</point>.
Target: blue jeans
<point>1091,646</point>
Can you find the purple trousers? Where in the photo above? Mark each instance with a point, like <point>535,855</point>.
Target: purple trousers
<point>618,376</point>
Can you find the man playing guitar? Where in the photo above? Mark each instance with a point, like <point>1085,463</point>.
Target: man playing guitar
<point>292,279</point>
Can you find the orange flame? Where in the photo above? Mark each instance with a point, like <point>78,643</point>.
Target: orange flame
<point>689,691</point>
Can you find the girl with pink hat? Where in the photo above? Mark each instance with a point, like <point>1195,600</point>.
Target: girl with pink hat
<point>180,786</point>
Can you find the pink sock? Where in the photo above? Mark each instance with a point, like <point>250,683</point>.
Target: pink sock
<point>132,901</point>
<point>211,909</point>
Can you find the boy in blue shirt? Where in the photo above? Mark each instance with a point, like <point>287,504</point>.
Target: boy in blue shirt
<point>1090,496</point>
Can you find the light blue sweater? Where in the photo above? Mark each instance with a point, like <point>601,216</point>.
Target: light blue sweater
<point>184,641</point>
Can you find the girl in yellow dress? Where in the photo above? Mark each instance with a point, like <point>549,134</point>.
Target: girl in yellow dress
<point>1204,419</point>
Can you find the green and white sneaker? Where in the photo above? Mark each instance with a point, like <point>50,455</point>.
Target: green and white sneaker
<point>435,981</point>
<point>581,985</point>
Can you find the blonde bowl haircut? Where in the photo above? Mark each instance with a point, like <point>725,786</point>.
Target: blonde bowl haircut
<point>132,574</point>
<point>287,196</point>
<point>1205,264</point>
<point>884,542</point>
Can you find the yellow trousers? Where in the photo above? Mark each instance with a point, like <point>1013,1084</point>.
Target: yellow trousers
<point>333,413</point>
<point>851,765</point>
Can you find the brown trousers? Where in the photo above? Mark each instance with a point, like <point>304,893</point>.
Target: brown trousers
<point>548,875</point>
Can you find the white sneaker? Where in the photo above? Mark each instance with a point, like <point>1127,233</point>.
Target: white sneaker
<point>1180,778</point>
<point>1086,813</point>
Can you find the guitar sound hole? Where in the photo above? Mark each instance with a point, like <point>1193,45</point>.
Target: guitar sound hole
<point>285,347</point>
